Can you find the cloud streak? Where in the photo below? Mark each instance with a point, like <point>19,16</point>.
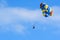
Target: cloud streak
<point>13,18</point>
<point>13,15</point>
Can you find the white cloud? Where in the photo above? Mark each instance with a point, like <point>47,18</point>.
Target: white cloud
<point>12,17</point>
<point>20,29</point>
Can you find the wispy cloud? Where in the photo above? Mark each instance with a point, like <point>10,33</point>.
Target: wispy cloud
<point>15,15</point>
<point>13,18</point>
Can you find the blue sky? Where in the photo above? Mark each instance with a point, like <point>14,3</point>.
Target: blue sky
<point>33,4</point>
<point>18,16</point>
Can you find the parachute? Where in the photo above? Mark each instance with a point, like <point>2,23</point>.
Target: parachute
<point>46,10</point>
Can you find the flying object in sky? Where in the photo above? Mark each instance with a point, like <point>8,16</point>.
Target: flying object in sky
<point>33,27</point>
<point>46,10</point>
